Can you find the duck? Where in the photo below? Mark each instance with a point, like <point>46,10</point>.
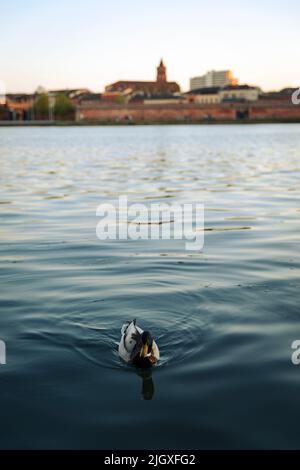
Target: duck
<point>136,346</point>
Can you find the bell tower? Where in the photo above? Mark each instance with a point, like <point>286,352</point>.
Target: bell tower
<point>161,76</point>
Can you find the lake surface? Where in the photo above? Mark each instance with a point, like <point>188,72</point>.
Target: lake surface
<point>224,317</point>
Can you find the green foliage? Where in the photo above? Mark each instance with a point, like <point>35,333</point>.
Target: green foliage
<point>63,108</point>
<point>120,100</point>
<point>41,107</point>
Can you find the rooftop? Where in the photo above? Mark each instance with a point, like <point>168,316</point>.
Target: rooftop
<point>204,91</point>
<point>238,87</point>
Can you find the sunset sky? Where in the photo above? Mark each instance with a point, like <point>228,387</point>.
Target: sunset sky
<point>70,44</point>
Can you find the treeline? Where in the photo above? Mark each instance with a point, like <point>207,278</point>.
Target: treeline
<point>61,109</point>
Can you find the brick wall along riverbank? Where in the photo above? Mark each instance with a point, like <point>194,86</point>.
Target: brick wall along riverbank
<point>188,112</point>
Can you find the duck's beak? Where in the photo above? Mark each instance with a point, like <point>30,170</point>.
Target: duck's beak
<point>144,350</point>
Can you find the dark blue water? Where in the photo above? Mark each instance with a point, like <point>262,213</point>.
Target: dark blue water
<point>224,318</point>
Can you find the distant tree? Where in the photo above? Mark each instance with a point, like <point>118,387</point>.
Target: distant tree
<point>40,90</point>
<point>41,107</point>
<point>63,108</point>
<point>120,99</point>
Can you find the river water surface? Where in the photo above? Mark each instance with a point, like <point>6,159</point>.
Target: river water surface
<point>224,317</point>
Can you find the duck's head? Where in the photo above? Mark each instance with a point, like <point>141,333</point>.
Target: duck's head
<point>147,343</point>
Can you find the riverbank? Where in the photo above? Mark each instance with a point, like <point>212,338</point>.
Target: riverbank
<point>142,123</point>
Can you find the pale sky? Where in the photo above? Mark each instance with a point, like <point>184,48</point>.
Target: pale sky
<point>91,43</point>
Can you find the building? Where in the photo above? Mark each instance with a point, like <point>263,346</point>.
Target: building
<point>228,93</point>
<point>239,93</point>
<point>74,94</point>
<point>69,93</point>
<point>20,106</point>
<point>204,95</point>
<point>114,97</point>
<point>160,87</point>
<point>4,113</point>
<point>164,100</point>
<point>90,98</point>
<point>213,78</point>
<point>283,95</point>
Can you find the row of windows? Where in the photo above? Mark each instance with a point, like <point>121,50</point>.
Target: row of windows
<point>208,100</point>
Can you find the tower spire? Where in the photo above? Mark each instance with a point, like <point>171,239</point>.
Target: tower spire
<point>161,76</point>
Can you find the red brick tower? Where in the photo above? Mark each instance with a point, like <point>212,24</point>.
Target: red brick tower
<point>161,73</point>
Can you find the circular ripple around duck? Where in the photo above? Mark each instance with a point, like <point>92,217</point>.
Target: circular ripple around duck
<point>179,333</point>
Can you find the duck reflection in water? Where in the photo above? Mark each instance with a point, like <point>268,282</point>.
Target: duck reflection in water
<point>147,383</point>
